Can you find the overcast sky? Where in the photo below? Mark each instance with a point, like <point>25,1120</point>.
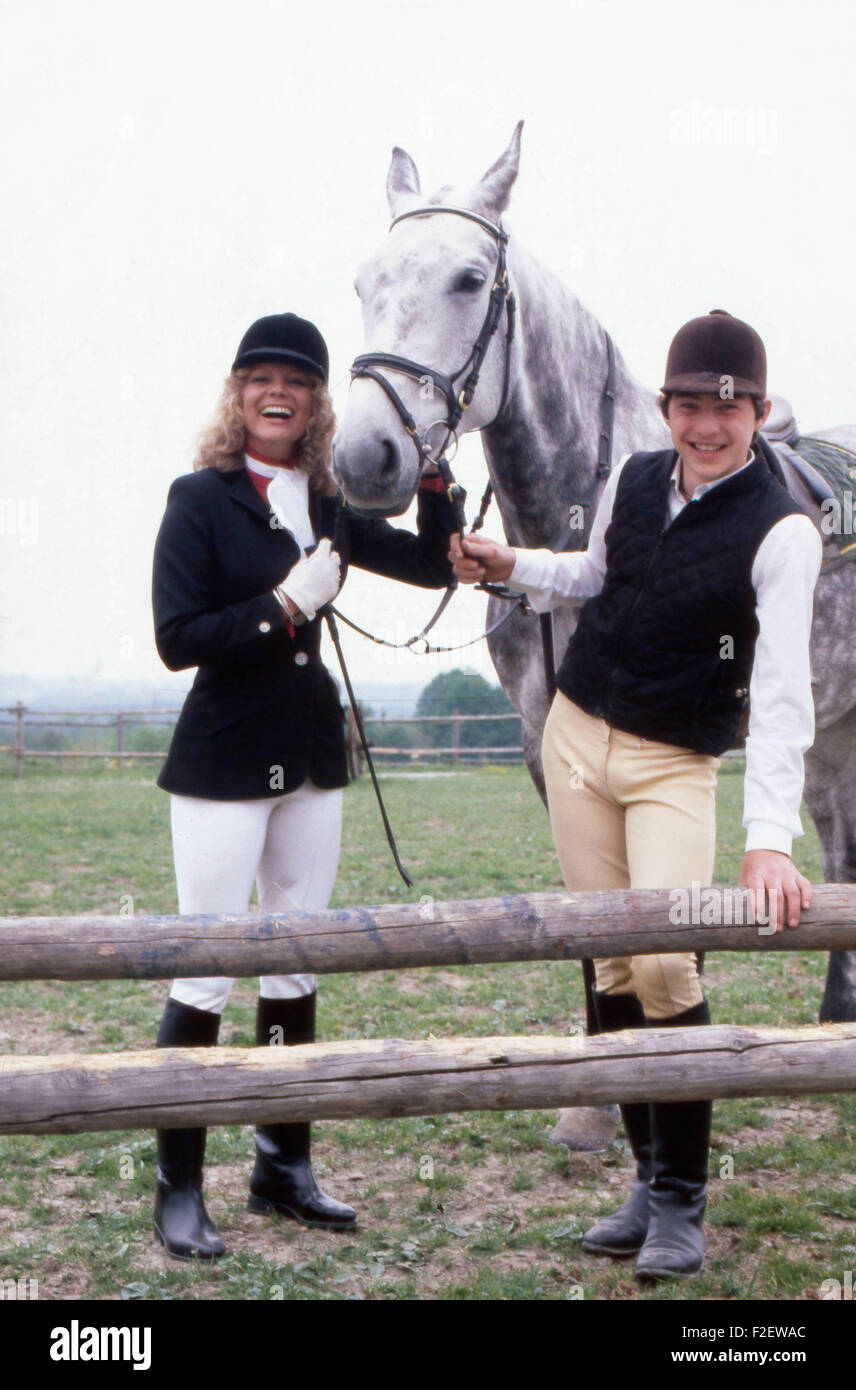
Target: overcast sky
<point>173,170</point>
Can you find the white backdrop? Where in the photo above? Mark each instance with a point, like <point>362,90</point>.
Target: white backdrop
<point>173,170</point>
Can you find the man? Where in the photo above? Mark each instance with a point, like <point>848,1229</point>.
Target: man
<point>699,576</point>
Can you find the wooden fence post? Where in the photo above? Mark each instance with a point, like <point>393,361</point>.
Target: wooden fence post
<point>19,712</point>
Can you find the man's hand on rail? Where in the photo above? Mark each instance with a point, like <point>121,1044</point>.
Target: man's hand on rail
<point>775,879</point>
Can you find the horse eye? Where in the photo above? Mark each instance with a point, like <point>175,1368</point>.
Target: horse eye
<point>469,280</point>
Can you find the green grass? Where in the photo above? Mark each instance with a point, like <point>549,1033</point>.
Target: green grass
<point>460,1207</point>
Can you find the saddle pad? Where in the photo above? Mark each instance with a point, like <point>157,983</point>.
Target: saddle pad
<point>837,466</point>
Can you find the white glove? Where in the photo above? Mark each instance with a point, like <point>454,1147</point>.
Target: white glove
<point>314,580</point>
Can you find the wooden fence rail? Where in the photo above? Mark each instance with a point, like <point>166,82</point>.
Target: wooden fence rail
<point>390,1078</point>
<point>534,926</point>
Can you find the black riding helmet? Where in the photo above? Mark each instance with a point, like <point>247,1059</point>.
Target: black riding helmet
<point>284,338</point>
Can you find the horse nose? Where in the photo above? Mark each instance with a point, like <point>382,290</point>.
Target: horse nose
<point>368,468</point>
<point>390,463</point>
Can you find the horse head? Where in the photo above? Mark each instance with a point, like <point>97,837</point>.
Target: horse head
<point>426,295</point>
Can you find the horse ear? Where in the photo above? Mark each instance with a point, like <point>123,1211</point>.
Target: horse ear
<point>494,190</point>
<point>402,179</point>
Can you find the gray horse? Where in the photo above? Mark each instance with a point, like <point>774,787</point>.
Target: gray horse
<point>538,406</point>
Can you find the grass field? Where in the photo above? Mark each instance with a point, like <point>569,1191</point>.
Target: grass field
<point>497,1212</point>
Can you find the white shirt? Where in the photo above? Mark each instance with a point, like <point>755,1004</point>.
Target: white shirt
<point>781,708</point>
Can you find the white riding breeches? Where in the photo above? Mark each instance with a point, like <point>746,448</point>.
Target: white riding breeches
<point>288,845</point>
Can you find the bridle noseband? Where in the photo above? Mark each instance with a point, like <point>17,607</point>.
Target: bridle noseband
<point>457,399</point>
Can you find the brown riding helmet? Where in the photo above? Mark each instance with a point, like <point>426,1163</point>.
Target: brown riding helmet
<point>717,348</point>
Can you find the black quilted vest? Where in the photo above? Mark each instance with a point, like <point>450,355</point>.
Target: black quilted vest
<point>651,653</point>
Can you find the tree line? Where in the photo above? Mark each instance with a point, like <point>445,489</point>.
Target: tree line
<point>453,692</point>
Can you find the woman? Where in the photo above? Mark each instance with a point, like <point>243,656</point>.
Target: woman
<point>252,545</point>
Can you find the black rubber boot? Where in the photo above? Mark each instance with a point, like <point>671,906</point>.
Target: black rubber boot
<point>182,1225</point>
<point>282,1179</point>
<point>624,1233</point>
<point>675,1244</point>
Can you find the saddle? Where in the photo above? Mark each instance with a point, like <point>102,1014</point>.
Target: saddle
<point>819,475</point>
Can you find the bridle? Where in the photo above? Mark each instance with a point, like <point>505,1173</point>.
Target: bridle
<point>457,399</point>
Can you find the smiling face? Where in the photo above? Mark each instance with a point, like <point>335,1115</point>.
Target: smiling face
<point>712,436</point>
<point>277,406</point>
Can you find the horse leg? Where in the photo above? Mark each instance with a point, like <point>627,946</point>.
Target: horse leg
<point>830,794</point>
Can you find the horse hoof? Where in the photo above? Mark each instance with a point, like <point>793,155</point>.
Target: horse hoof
<point>587,1128</point>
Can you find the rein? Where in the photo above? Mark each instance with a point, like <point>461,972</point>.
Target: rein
<point>604,468</point>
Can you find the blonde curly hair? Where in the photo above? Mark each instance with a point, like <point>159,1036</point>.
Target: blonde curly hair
<point>222,444</point>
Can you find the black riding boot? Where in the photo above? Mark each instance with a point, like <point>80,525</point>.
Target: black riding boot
<point>678,1193</point>
<point>182,1225</point>
<point>282,1179</point>
<point>624,1233</point>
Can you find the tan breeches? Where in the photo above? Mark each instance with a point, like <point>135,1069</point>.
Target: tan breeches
<point>629,813</point>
